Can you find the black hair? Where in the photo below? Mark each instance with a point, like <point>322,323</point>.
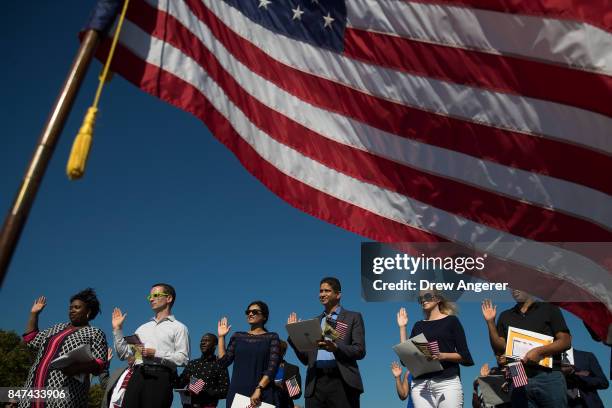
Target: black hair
<point>333,282</point>
<point>214,336</point>
<point>169,290</point>
<point>88,296</point>
<point>265,311</point>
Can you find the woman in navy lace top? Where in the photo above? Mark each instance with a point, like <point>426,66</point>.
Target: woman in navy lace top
<point>255,355</point>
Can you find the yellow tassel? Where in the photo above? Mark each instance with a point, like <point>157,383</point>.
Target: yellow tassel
<point>82,143</point>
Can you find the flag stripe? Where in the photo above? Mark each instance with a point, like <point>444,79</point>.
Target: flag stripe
<point>517,372</point>
<point>176,91</point>
<point>320,183</point>
<point>596,12</point>
<point>470,138</point>
<point>569,43</point>
<point>510,215</point>
<point>573,87</point>
<point>370,197</point>
<point>293,387</point>
<point>504,111</point>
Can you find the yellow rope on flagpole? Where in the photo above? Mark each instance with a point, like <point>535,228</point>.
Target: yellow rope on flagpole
<point>82,143</point>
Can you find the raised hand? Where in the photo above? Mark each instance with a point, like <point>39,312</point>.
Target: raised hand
<point>39,305</point>
<point>292,318</point>
<point>489,310</point>
<point>396,369</point>
<point>484,370</point>
<point>223,328</point>
<point>402,318</point>
<point>118,319</point>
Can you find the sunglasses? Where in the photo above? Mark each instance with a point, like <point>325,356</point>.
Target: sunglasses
<point>428,297</point>
<point>156,295</point>
<point>252,312</point>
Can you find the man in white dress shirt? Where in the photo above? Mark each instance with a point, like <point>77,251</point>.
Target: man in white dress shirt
<point>164,347</point>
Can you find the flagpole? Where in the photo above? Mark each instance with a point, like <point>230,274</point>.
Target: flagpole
<point>19,211</point>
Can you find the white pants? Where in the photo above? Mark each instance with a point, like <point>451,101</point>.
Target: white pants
<point>437,393</point>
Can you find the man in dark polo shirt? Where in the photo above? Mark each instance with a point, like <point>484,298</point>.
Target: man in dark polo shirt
<point>546,387</point>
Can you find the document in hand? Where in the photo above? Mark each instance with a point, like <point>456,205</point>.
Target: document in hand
<point>305,334</point>
<point>133,339</point>
<point>520,341</point>
<point>491,389</point>
<point>185,395</point>
<point>81,354</point>
<point>414,357</point>
<point>240,401</point>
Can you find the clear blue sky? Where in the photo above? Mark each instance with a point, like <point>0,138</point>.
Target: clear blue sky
<point>162,200</point>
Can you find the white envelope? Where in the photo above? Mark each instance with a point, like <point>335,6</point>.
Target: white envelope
<point>414,359</point>
<point>81,354</point>
<point>241,401</point>
<point>305,334</point>
<point>491,389</point>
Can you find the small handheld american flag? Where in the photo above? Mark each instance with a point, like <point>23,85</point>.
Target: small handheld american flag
<point>293,387</point>
<point>340,327</point>
<point>518,375</point>
<point>433,348</point>
<point>196,385</point>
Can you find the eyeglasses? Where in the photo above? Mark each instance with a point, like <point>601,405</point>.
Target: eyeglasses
<point>428,297</point>
<point>252,312</point>
<point>156,295</point>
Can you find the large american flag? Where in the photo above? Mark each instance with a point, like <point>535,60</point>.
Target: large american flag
<point>469,121</point>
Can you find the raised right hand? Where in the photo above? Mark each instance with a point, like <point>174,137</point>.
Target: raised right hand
<point>292,318</point>
<point>223,328</point>
<point>118,319</point>
<point>402,318</point>
<point>396,369</point>
<point>489,310</point>
<point>39,305</point>
<point>485,370</point>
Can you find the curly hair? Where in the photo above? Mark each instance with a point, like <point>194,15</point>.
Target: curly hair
<point>88,296</point>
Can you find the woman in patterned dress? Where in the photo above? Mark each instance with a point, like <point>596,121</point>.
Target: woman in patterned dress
<point>255,355</point>
<point>59,340</point>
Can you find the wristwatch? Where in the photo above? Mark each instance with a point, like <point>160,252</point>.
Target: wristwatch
<point>259,387</point>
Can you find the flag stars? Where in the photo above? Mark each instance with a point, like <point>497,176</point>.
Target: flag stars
<point>264,3</point>
<point>328,20</point>
<point>297,13</point>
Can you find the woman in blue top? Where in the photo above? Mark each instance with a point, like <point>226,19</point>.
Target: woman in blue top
<point>255,354</point>
<point>441,389</point>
